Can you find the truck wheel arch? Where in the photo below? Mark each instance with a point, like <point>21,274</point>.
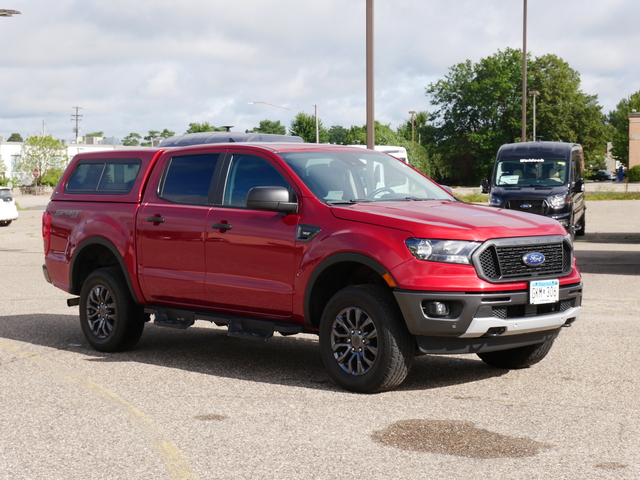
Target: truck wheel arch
<point>334,273</point>
<point>94,253</point>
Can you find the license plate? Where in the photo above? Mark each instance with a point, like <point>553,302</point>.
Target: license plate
<point>544,291</point>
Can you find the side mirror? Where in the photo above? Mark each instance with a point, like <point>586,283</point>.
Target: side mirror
<point>484,185</point>
<point>579,186</point>
<point>273,199</point>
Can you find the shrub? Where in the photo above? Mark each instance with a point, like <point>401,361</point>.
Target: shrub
<point>633,175</point>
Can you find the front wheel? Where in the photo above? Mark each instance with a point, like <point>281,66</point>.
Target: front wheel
<point>521,357</point>
<point>110,319</point>
<point>364,343</point>
<point>582,226</point>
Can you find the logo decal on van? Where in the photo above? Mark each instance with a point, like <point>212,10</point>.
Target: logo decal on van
<point>533,259</point>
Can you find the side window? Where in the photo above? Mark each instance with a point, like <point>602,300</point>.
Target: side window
<point>247,172</point>
<point>104,176</point>
<point>187,179</point>
<point>118,177</point>
<point>85,177</point>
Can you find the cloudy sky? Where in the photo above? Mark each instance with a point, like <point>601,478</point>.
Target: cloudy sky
<point>140,65</point>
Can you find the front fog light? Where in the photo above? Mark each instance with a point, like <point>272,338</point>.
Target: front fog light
<point>437,309</point>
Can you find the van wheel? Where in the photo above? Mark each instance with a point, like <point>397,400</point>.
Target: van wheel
<point>364,343</point>
<point>5,223</point>
<point>110,319</point>
<point>521,357</point>
<point>582,225</point>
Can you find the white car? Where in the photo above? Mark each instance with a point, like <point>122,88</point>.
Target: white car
<point>8,210</point>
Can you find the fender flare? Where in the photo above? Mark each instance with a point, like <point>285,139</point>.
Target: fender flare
<point>103,242</point>
<point>351,257</point>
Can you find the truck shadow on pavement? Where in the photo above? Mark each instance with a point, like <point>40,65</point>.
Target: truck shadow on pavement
<point>288,361</point>
<point>612,237</point>
<point>609,259</point>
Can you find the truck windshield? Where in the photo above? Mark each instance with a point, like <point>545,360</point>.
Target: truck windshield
<point>530,172</point>
<point>340,176</point>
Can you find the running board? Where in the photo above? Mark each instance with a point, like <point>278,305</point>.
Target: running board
<point>236,327</point>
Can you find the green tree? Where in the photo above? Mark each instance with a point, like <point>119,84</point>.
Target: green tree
<point>15,137</point>
<point>563,112</point>
<point>44,154</point>
<point>203,127</point>
<point>3,171</point>
<point>618,119</point>
<point>269,126</point>
<point>132,140</point>
<point>480,109</point>
<point>304,125</point>
<point>478,112</point>
<point>95,134</point>
<point>338,135</point>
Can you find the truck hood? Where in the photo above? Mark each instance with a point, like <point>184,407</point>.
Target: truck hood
<point>449,220</point>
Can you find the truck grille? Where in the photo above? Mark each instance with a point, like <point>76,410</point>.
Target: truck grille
<point>539,207</point>
<point>502,260</point>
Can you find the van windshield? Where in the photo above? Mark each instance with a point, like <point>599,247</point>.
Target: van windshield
<point>530,172</point>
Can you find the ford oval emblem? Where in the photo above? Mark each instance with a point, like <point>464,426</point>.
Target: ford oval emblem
<point>525,205</point>
<point>533,259</point>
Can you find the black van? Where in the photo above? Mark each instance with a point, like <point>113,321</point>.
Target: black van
<point>546,178</point>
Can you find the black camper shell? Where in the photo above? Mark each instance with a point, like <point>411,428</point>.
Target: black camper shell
<point>545,178</point>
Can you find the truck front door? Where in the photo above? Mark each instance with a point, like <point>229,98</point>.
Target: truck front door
<point>249,253</point>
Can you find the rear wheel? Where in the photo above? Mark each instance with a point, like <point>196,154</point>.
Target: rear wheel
<point>5,223</point>
<point>521,357</point>
<point>110,319</point>
<point>364,343</point>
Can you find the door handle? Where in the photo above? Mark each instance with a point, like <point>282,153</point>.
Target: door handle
<point>222,226</point>
<point>155,219</point>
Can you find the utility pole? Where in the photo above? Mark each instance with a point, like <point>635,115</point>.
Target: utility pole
<point>371,123</point>
<point>77,118</point>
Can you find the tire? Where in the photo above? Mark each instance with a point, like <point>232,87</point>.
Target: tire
<point>582,225</point>
<point>110,319</point>
<point>521,357</point>
<point>5,223</point>
<point>364,342</point>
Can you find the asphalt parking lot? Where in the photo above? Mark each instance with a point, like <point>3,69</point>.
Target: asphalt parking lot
<point>196,404</point>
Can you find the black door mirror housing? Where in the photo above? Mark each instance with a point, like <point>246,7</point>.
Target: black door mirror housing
<point>274,199</point>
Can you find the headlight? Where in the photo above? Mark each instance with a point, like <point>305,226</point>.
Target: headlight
<point>557,201</point>
<point>446,251</point>
<point>495,201</point>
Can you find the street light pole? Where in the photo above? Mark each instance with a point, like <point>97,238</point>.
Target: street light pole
<point>8,13</point>
<point>413,118</point>
<point>534,94</point>
<point>271,104</point>
<point>317,127</point>
<point>524,73</point>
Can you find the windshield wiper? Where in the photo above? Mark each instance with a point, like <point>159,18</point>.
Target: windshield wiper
<point>352,201</point>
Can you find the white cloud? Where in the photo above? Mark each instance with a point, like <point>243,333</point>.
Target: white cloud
<point>140,65</point>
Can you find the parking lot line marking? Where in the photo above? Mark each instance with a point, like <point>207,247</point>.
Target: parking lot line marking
<point>171,455</point>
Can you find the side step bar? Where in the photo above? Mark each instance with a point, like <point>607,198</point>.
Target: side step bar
<point>236,327</point>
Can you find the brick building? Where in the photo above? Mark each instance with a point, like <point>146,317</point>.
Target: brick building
<point>634,139</point>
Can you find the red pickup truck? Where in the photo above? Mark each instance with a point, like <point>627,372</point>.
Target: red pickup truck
<point>349,244</point>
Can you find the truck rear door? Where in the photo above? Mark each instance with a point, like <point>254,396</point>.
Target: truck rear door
<point>170,229</point>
